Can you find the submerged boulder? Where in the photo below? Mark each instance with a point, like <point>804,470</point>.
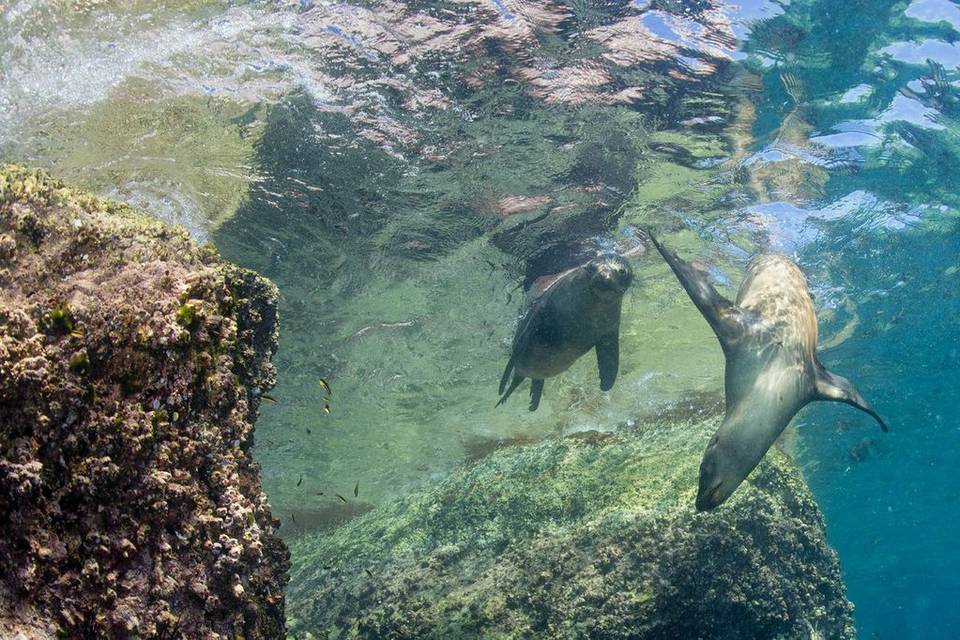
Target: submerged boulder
<point>589,536</point>
<point>131,364</point>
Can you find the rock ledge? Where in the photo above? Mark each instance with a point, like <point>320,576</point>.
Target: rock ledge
<point>588,536</point>
<point>131,362</point>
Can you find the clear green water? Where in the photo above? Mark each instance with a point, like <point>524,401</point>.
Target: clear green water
<point>364,156</point>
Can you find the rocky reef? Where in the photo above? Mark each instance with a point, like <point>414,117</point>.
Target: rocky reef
<point>589,536</point>
<point>131,368</point>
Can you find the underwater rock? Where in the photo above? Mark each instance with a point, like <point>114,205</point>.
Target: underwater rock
<point>130,367</point>
<point>580,537</point>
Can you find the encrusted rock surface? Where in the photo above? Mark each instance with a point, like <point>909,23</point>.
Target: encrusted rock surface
<point>130,367</point>
<point>589,536</point>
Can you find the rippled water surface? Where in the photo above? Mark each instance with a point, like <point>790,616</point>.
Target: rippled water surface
<point>405,171</point>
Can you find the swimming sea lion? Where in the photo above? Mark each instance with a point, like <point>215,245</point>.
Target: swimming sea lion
<point>769,340</point>
<point>577,312</point>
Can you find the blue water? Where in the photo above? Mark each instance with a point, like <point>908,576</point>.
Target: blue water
<point>890,500</point>
<point>384,193</point>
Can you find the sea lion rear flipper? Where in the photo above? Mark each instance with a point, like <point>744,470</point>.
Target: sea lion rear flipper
<point>839,389</point>
<point>536,391</point>
<point>724,317</point>
<point>506,376</point>
<point>517,379</point>
<point>608,360</point>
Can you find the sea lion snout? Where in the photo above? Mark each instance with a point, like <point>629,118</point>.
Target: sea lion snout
<point>610,275</point>
<point>707,500</point>
<point>718,478</point>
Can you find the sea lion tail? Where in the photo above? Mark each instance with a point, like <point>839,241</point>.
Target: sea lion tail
<point>838,389</point>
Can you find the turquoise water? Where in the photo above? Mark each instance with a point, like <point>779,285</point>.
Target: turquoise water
<point>889,501</point>
<point>401,187</point>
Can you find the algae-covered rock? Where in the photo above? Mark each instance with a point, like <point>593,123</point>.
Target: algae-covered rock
<point>130,367</point>
<point>589,536</point>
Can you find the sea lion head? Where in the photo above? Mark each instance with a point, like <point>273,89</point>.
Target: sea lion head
<point>721,472</point>
<point>609,275</point>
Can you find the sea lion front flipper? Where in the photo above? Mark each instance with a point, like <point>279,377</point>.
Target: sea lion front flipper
<point>608,359</point>
<point>517,379</point>
<point>536,391</point>
<point>527,328</point>
<point>838,389</point>
<point>724,317</point>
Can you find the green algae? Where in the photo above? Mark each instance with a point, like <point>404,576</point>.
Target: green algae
<point>187,316</point>
<point>541,540</point>
<point>58,320</point>
<point>80,363</point>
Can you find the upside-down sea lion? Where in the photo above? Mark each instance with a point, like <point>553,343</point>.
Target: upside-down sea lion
<point>577,312</point>
<point>769,340</point>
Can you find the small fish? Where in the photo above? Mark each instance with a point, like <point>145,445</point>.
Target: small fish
<point>326,408</point>
<point>300,481</point>
<point>76,333</point>
<point>356,489</point>
<point>319,493</point>
<point>309,432</point>
<point>369,573</point>
<point>342,499</point>
<point>326,387</point>
<point>293,517</point>
<point>269,398</point>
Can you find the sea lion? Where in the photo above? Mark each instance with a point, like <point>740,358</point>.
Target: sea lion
<point>769,341</point>
<point>580,310</point>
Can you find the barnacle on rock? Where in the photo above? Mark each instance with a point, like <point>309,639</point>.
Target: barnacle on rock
<point>108,438</point>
